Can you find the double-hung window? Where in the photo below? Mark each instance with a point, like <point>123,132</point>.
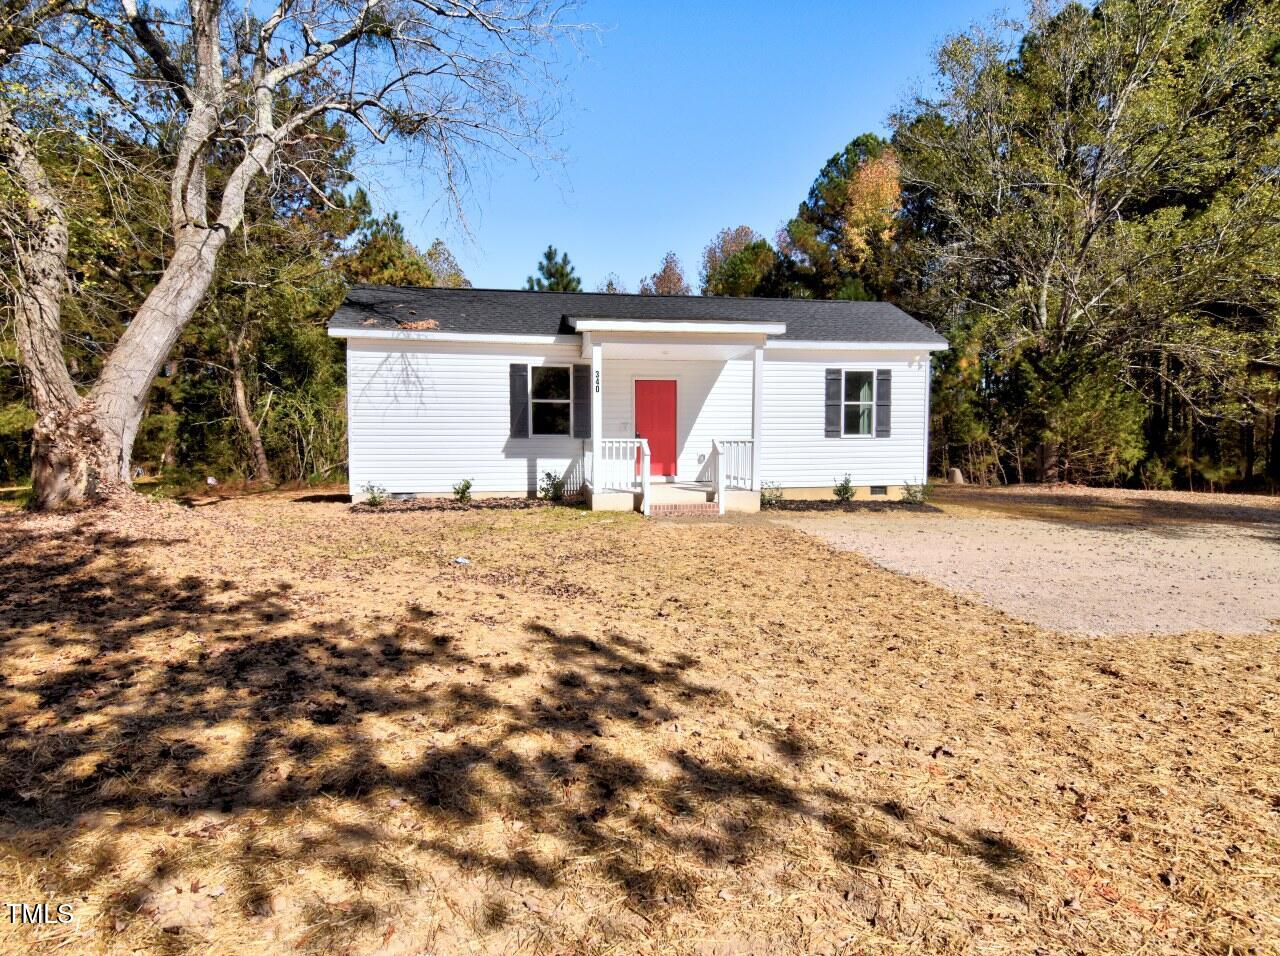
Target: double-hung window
<point>550,395</point>
<point>859,403</point>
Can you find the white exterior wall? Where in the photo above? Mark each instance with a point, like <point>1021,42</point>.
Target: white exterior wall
<point>797,453</point>
<point>423,416</point>
<point>713,400</point>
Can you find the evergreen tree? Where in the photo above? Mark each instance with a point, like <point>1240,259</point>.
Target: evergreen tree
<point>382,255</point>
<point>555,274</point>
<point>837,246</point>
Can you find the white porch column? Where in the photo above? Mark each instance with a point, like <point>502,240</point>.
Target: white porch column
<point>757,391</point>
<point>597,408</point>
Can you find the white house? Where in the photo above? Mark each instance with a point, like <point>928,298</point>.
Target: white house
<point>661,403</point>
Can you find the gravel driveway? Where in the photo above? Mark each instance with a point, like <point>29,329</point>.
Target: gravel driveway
<point>1161,577</point>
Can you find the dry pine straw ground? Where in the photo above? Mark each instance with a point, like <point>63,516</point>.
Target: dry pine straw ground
<point>273,725</point>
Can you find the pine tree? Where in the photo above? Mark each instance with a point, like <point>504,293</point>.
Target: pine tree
<point>383,255</point>
<point>555,274</point>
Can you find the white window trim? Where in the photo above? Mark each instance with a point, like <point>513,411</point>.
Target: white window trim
<point>844,404</point>
<point>551,401</point>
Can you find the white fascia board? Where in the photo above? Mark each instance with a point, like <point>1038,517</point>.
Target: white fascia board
<point>679,325</point>
<point>424,336</point>
<point>857,346</point>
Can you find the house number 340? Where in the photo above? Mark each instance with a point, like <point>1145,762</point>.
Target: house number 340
<point>597,380</point>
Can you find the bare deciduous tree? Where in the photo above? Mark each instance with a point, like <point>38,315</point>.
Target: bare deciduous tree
<point>226,91</point>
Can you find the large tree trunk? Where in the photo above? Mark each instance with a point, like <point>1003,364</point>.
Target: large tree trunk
<point>82,449</point>
<point>1048,462</point>
<point>67,468</point>
<point>63,469</point>
<point>262,469</point>
<point>120,396</point>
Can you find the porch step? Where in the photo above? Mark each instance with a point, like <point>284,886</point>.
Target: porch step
<point>688,509</point>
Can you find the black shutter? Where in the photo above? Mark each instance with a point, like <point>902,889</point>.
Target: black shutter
<point>519,400</point>
<point>582,401</point>
<point>884,401</point>
<point>834,395</point>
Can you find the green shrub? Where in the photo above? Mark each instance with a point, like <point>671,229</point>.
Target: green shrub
<point>375,495</point>
<point>1155,475</point>
<point>844,489</point>
<point>462,491</point>
<point>550,487</point>
<point>1096,428</point>
<point>770,494</point>
<point>916,494</point>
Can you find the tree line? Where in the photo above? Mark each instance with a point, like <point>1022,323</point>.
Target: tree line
<point>1086,204</point>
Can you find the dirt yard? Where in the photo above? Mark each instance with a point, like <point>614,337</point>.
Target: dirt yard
<point>271,725</point>
<point>1087,560</point>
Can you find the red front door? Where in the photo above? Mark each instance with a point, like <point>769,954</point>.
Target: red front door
<point>656,421</point>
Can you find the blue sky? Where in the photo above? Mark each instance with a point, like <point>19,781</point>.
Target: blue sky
<point>681,119</point>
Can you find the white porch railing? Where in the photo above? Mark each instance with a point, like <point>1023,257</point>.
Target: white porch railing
<point>623,465</point>
<point>737,458</point>
<point>575,477</point>
<point>731,466</point>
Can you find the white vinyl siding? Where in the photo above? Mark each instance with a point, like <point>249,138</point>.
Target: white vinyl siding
<point>423,416</point>
<point>713,401</point>
<point>796,451</point>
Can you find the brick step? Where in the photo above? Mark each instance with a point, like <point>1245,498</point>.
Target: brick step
<point>689,509</point>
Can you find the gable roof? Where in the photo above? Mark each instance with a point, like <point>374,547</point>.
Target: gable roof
<point>513,312</point>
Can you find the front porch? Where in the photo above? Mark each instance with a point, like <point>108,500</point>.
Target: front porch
<point>675,415</point>
<point>699,497</point>
<point>674,498</point>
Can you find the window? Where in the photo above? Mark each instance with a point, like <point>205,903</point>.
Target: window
<point>859,403</point>
<point>879,491</point>
<point>550,389</point>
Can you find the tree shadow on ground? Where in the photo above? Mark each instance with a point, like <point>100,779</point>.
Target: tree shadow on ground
<point>1123,511</point>
<point>213,711</point>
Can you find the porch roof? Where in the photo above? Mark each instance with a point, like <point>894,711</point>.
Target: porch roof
<point>504,312</point>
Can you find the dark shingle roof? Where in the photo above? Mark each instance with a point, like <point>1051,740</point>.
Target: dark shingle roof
<point>511,312</point>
